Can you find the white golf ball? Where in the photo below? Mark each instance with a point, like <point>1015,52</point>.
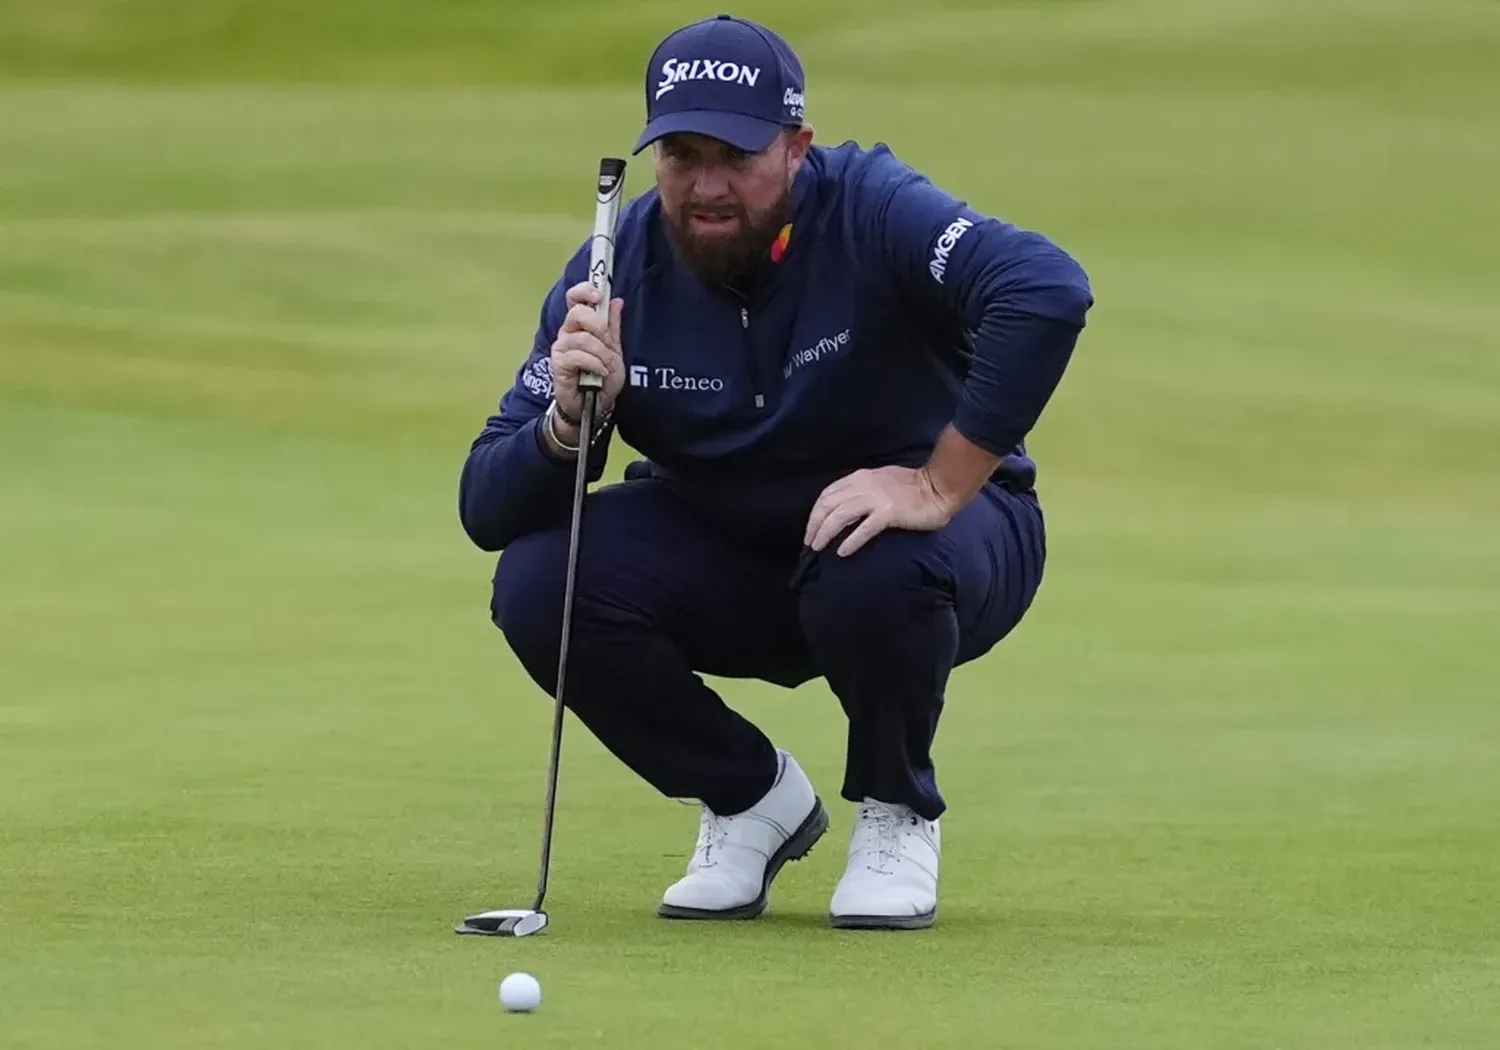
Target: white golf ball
<point>520,993</point>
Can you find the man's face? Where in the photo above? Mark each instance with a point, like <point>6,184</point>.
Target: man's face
<point>724,207</point>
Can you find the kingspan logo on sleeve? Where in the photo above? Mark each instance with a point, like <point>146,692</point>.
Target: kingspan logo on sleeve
<point>938,265</point>
<point>538,377</point>
<point>676,71</point>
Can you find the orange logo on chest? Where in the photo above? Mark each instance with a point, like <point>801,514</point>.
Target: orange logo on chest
<point>778,246</point>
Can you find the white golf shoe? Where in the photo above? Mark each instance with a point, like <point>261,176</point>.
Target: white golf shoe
<point>892,875</point>
<point>737,857</point>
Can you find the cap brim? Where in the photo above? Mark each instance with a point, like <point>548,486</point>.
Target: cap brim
<point>750,134</point>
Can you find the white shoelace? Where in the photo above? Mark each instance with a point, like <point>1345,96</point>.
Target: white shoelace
<point>712,831</point>
<point>880,834</point>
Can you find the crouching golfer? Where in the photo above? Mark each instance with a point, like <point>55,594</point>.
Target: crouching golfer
<point>829,367</point>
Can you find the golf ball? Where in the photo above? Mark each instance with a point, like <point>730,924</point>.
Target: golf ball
<point>520,993</point>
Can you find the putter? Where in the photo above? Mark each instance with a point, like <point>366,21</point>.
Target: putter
<point>522,922</point>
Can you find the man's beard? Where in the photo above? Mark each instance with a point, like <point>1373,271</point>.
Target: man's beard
<point>729,260</point>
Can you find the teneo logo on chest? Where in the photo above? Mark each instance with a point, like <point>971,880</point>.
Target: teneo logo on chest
<point>939,262</point>
<point>676,71</point>
<point>825,347</point>
<point>664,377</point>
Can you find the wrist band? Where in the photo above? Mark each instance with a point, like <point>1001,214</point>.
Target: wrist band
<point>553,412</point>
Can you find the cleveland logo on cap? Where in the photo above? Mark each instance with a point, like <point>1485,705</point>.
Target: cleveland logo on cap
<point>676,71</point>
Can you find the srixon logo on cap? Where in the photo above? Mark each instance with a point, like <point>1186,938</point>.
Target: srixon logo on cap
<point>676,71</point>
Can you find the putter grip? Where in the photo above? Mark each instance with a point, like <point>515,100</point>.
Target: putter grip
<point>602,245</point>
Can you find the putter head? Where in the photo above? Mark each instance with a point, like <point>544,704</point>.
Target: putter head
<point>507,922</point>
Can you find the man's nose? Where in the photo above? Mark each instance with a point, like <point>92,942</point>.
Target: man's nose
<point>712,182</point>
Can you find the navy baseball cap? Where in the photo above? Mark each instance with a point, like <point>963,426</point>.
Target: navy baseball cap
<point>724,77</point>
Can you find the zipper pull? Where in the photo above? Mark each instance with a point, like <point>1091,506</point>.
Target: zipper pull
<point>760,399</point>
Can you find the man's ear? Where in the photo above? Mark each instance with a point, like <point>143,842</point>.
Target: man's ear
<point>798,141</point>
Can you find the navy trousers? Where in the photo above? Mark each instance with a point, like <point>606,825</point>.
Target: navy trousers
<point>663,598</point>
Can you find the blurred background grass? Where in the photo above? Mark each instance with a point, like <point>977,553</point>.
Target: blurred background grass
<point>265,267</point>
<point>1384,49</point>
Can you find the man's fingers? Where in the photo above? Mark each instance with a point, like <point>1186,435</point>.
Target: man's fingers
<point>838,491</point>
<point>860,479</point>
<point>569,363</point>
<point>584,318</point>
<point>840,488</point>
<point>584,343</point>
<point>814,522</point>
<point>838,519</point>
<point>872,526</point>
<point>820,511</point>
<point>582,293</point>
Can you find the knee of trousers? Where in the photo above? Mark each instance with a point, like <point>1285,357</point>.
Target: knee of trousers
<point>883,590</point>
<point>526,600</point>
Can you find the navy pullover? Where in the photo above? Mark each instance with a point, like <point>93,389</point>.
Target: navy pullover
<point>893,310</point>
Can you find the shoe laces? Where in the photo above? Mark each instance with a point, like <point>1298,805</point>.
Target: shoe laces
<point>712,832</point>
<point>880,828</point>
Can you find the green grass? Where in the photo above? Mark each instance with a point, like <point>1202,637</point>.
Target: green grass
<point>264,268</point>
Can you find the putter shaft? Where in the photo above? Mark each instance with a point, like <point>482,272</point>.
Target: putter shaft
<point>580,486</point>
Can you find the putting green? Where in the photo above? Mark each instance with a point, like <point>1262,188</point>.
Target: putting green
<point>265,268</point>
